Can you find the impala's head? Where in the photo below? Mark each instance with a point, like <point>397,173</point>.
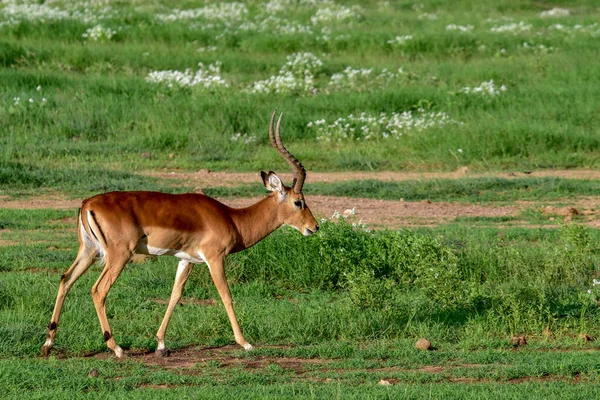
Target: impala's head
<point>292,209</point>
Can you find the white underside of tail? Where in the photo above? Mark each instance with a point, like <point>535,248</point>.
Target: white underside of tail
<point>90,239</point>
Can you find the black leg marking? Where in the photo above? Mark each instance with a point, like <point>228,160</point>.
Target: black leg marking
<point>52,326</point>
<point>107,336</point>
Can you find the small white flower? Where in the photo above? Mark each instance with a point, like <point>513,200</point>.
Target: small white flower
<point>556,12</point>
<point>39,88</point>
<point>460,28</point>
<point>30,100</point>
<point>460,150</point>
<point>400,40</point>
<point>486,88</point>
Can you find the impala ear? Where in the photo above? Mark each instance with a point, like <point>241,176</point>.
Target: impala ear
<point>272,182</point>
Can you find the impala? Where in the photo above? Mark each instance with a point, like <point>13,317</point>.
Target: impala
<point>195,228</point>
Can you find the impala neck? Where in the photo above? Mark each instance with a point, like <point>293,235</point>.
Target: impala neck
<point>256,222</point>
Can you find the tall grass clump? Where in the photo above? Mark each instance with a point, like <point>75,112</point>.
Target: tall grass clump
<point>513,287</point>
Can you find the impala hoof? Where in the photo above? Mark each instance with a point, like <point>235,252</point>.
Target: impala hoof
<point>46,350</point>
<point>162,353</point>
<point>119,353</point>
<point>248,346</point>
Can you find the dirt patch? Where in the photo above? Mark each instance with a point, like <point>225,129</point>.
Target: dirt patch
<point>4,242</point>
<point>191,360</point>
<point>390,213</point>
<point>206,178</point>
<point>33,203</point>
<point>394,214</point>
<point>375,213</point>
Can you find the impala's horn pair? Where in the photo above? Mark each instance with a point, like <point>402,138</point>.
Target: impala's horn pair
<point>297,167</point>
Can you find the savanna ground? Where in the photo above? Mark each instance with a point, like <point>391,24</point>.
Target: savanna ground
<point>464,135</point>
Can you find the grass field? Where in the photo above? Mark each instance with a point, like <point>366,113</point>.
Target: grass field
<point>113,95</point>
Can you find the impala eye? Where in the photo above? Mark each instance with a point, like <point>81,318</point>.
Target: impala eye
<point>298,203</point>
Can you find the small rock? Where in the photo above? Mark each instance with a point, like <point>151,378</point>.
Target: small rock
<point>171,156</point>
<point>423,344</point>
<point>93,373</point>
<point>147,154</point>
<point>586,337</point>
<point>517,341</point>
<point>463,170</point>
<point>383,382</point>
<point>426,201</point>
<point>571,212</point>
<point>204,172</point>
<point>198,189</point>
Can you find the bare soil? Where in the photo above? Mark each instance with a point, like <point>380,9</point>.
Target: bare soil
<point>196,360</point>
<point>206,178</point>
<point>375,213</point>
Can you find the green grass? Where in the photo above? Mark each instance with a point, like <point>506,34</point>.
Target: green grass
<point>100,110</point>
<point>353,300</point>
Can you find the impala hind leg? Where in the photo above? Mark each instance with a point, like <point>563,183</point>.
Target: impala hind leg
<point>217,271</point>
<point>115,262</point>
<point>85,258</point>
<point>183,272</point>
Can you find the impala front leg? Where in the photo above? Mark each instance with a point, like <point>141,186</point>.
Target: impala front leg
<point>216,267</point>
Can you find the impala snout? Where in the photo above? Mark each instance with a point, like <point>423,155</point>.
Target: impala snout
<point>310,225</point>
<point>309,231</point>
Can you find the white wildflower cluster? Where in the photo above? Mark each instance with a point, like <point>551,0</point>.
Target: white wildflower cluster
<point>205,77</point>
<point>595,282</point>
<point>400,40</point>
<point>244,138</point>
<point>349,213</point>
<point>275,25</point>
<point>327,36</point>
<point>85,11</point>
<point>277,6</point>
<point>536,49</point>
<point>428,16</point>
<point>99,33</point>
<point>513,27</point>
<point>207,49</point>
<point>459,28</point>
<point>28,101</point>
<point>222,12</point>
<point>556,12</point>
<point>486,88</point>
<point>499,20</point>
<point>367,127</point>
<point>362,79</point>
<point>296,75</point>
<point>231,19</point>
<point>337,13</point>
<point>592,29</point>
<point>299,63</point>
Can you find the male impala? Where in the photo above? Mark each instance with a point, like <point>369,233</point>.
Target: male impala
<point>192,227</point>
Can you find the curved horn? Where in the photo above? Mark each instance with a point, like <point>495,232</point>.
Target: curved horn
<point>297,168</point>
